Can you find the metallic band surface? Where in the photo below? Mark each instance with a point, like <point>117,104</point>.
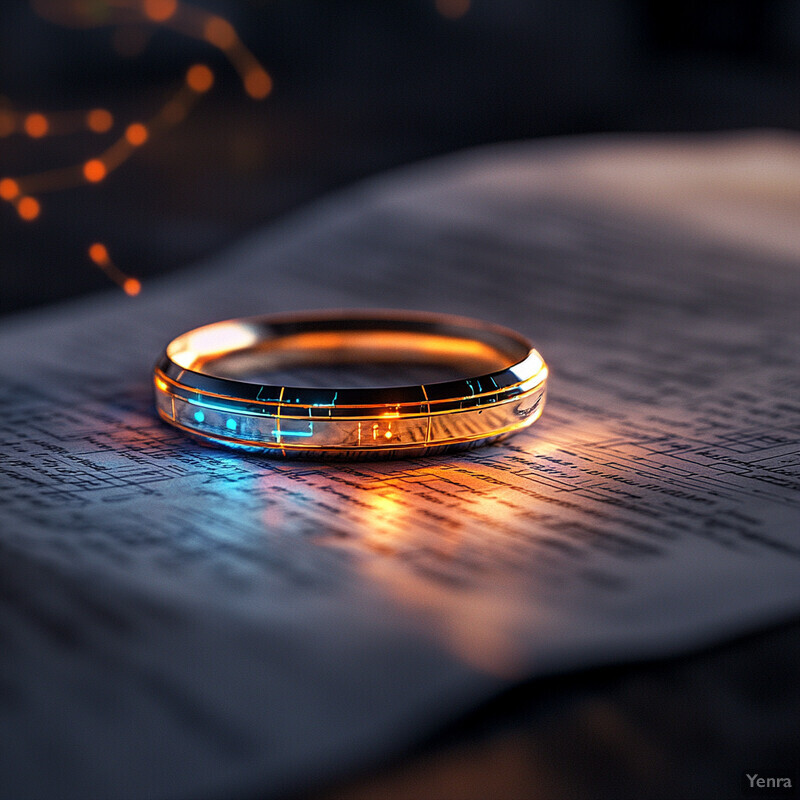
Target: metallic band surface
<point>401,421</point>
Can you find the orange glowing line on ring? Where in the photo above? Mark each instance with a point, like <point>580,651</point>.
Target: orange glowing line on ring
<point>260,444</point>
<point>524,386</point>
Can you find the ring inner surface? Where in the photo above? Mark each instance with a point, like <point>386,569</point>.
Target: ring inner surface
<point>346,358</point>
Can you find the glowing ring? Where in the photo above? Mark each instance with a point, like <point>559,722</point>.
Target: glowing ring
<point>198,385</point>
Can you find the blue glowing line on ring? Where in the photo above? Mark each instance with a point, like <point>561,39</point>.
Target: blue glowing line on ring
<point>227,409</point>
<point>332,403</point>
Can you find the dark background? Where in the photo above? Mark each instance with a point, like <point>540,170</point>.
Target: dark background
<point>359,87</point>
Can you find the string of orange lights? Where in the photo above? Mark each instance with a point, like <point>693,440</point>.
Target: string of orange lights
<point>22,191</point>
<point>191,21</point>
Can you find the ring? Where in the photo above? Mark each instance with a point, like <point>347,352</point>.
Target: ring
<point>217,383</point>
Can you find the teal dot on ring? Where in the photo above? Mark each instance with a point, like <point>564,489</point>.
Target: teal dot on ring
<point>199,416</point>
<point>230,424</point>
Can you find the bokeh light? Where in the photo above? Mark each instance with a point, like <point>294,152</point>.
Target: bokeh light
<point>199,78</point>
<point>137,17</point>
<point>99,120</point>
<point>28,208</point>
<point>36,125</point>
<point>160,10</point>
<point>94,170</point>
<point>137,134</point>
<point>257,83</point>
<point>9,189</point>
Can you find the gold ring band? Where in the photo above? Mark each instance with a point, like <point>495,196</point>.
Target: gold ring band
<point>203,384</point>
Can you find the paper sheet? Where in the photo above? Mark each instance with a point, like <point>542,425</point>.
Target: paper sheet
<point>181,621</point>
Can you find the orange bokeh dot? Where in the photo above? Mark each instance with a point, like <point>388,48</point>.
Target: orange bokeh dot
<point>9,189</point>
<point>99,120</point>
<point>257,83</point>
<point>28,208</point>
<point>36,125</point>
<point>94,170</point>
<point>136,134</point>
<point>132,287</point>
<point>219,32</point>
<point>199,78</point>
<point>98,253</point>
<point>159,10</point>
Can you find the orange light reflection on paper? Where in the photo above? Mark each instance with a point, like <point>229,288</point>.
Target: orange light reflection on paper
<point>478,624</point>
<point>388,517</point>
<point>463,519</point>
<point>444,544</point>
